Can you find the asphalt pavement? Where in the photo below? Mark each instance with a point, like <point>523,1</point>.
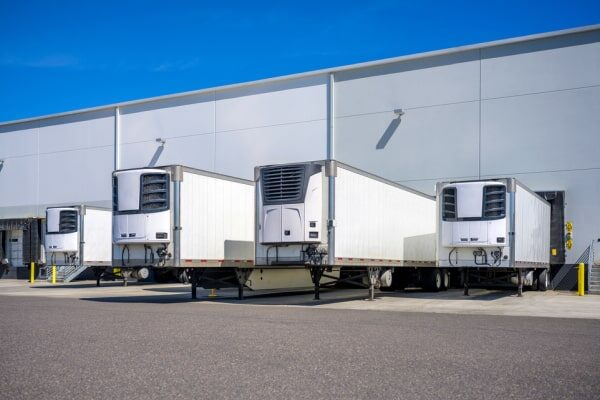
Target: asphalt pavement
<point>103,348</point>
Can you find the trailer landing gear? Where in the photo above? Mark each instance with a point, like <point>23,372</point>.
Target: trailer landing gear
<point>466,281</point>
<point>194,283</point>
<point>373,274</point>
<point>316,272</point>
<point>520,283</point>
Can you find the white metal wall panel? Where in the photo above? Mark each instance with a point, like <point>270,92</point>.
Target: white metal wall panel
<point>19,185</point>
<point>85,131</point>
<point>195,151</point>
<point>427,186</point>
<point>18,142</point>
<point>543,65</point>
<point>428,143</point>
<point>532,228</point>
<point>380,221</point>
<point>98,236</point>
<point>541,132</point>
<point>278,103</point>
<point>193,115</point>
<point>238,152</point>
<point>76,177</point>
<point>419,83</point>
<point>214,211</point>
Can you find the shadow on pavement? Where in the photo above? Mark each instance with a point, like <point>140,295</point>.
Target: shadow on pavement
<point>88,285</point>
<point>453,294</point>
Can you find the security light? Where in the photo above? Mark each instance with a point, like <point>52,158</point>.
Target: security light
<point>399,112</point>
<point>162,141</point>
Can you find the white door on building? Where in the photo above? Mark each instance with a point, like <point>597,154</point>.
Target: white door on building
<point>14,248</point>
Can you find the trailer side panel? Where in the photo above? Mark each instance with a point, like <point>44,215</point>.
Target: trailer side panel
<point>217,218</point>
<point>532,228</point>
<point>379,221</point>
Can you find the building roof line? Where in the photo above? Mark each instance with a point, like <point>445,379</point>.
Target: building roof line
<point>324,71</point>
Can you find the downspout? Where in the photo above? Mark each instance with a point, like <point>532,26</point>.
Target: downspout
<point>117,144</point>
<point>331,172</point>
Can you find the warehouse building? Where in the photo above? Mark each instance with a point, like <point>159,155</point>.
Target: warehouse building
<point>527,107</point>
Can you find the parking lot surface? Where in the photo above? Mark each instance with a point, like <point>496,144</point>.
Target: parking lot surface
<point>151,341</point>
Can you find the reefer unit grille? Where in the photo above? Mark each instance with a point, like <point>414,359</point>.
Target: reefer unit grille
<point>494,202</point>
<point>67,221</point>
<point>155,192</point>
<point>283,183</point>
<point>449,204</point>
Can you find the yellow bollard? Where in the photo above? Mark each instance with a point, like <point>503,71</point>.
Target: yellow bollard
<point>32,273</point>
<point>54,274</point>
<point>581,280</point>
<point>213,293</point>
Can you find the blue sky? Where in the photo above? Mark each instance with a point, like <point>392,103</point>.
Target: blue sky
<point>63,55</point>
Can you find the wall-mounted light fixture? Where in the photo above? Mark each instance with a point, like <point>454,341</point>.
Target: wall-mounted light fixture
<point>399,113</point>
<point>162,141</point>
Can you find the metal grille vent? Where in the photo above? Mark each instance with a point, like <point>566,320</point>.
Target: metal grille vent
<point>115,194</point>
<point>67,221</point>
<point>449,203</point>
<point>155,192</point>
<point>283,183</point>
<point>494,201</point>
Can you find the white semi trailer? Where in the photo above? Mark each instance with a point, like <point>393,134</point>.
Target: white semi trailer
<point>78,237</point>
<point>495,227</point>
<point>195,223</point>
<point>341,223</point>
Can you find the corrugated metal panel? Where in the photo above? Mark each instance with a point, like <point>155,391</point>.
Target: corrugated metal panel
<point>379,221</point>
<point>214,212</point>
<point>13,224</point>
<point>532,228</point>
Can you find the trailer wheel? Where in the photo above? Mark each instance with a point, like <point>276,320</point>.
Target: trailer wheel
<point>543,281</point>
<point>161,276</point>
<point>445,279</point>
<point>400,278</point>
<point>433,280</point>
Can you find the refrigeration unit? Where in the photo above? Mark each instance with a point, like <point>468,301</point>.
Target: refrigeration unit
<point>498,227</point>
<point>78,237</point>
<point>341,223</point>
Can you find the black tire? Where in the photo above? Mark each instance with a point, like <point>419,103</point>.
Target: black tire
<point>162,277</point>
<point>445,279</point>
<point>543,282</point>
<point>432,280</point>
<point>400,278</point>
<point>183,277</point>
